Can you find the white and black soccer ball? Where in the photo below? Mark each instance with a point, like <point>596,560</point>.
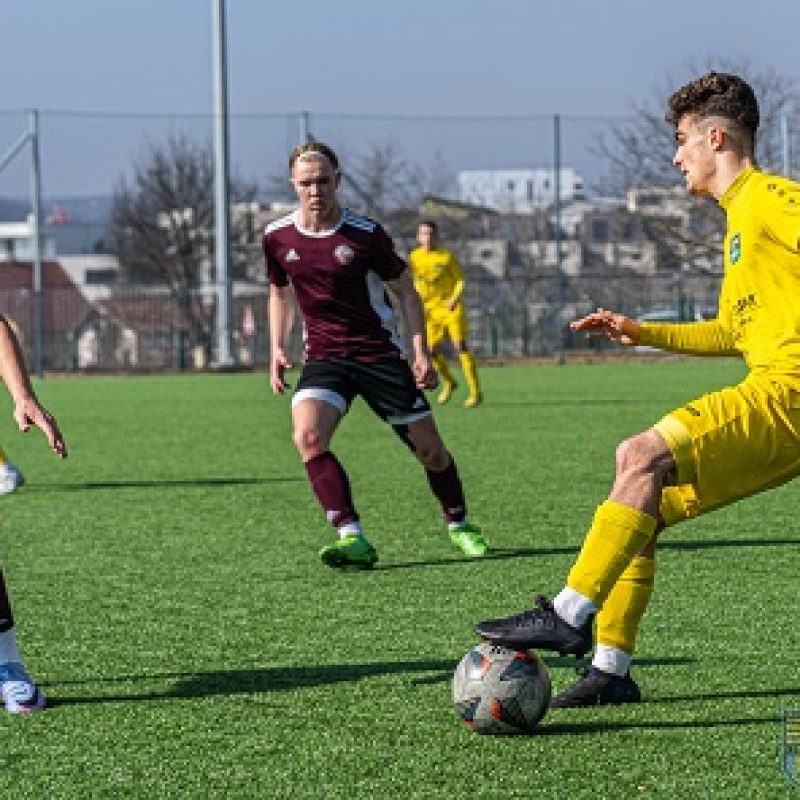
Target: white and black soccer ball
<point>497,690</point>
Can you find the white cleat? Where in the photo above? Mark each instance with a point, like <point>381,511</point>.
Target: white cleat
<point>10,478</point>
<point>20,694</point>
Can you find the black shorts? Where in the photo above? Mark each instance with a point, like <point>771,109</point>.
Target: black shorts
<point>387,386</point>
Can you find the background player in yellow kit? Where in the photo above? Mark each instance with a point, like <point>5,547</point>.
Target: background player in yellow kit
<point>439,280</point>
<point>720,448</point>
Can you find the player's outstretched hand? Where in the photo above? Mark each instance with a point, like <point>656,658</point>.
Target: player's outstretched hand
<point>425,375</point>
<point>29,412</point>
<point>603,324</point>
<point>278,366</point>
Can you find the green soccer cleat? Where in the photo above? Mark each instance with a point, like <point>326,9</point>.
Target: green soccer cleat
<point>351,551</point>
<point>467,537</point>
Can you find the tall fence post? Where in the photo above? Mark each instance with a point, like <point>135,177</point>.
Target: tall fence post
<point>36,203</point>
<point>222,194</point>
<point>559,332</point>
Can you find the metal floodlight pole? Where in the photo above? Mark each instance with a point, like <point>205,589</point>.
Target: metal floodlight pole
<point>559,253</point>
<point>222,185</point>
<point>36,202</point>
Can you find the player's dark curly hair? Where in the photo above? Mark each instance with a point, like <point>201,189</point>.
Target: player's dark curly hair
<point>717,95</point>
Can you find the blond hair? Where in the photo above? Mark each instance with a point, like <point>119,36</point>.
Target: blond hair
<point>313,150</point>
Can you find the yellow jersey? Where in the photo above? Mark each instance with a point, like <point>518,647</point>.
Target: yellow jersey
<point>759,303</point>
<point>438,276</point>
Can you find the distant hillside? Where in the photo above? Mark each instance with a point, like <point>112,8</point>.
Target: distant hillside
<point>77,224</point>
<point>13,210</point>
<point>81,209</point>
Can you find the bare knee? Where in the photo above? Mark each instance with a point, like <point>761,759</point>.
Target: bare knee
<point>645,454</point>
<point>308,442</point>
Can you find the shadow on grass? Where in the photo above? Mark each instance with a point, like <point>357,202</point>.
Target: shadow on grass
<point>711,544</point>
<point>186,685</point>
<point>506,553</point>
<point>549,728</point>
<point>156,484</point>
<point>743,695</point>
<point>232,682</point>
<point>569,662</point>
<point>539,402</point>
<point>494,554</point>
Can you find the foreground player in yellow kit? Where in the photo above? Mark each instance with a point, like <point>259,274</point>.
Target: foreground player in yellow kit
<point>718,449</point>
<point>439,281</point>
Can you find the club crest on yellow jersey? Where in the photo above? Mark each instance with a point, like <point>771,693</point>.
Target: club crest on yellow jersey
<point>735,248</point>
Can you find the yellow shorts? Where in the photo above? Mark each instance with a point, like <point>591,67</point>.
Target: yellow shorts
<point>441,322</point>
<point>729,445</point>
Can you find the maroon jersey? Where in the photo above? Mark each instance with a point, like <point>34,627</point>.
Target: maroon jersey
<point>338,277</point>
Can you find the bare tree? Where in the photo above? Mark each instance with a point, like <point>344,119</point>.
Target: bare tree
<point>162,228</point>
<point>639,155</point>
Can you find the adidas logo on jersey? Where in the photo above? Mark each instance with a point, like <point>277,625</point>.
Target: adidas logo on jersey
<point>419,403</point>
<point>292,255</point>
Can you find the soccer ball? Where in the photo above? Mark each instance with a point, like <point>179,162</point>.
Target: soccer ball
<point>498,690</point>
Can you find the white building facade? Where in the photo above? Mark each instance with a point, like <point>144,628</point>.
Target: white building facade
<point>518,191</point>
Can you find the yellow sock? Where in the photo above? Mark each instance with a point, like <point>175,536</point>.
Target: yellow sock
<point>440,362</point>
<point>617,534</point>
<point>3,456</point>
<point>618,620</point>
<point>470,373</point>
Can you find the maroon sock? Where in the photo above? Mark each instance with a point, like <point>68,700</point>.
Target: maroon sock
<point>446,485</point>
<point>332,488</point>
<point>6,617</point>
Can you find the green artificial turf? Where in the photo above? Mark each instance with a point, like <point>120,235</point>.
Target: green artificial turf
<point>191,645</point>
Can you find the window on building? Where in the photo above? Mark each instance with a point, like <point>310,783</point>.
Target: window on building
<point>100,277</point>
<point>600,230</point>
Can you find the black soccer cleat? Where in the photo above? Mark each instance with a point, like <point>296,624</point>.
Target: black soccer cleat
<point>538,629</point>
<point>598,688</point>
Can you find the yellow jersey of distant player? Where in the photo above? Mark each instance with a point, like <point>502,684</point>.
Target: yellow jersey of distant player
<point>759,303</point>
<point>438,276</point>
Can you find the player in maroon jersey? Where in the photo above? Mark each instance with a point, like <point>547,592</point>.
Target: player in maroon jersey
<point>342,270</point>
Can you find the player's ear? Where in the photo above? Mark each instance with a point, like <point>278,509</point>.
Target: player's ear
<point>337,177</point>
<point>716,138</point>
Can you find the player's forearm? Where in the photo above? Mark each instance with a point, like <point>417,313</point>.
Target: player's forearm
<point>457,292</point>
<point>281,318</point>
<point>414,320</point>
<point>707,338</point>
<point>13,371</point>
<point>414,316</point>
<point>406,300</point>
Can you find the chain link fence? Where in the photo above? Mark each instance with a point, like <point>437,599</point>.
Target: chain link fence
<point>147,329</point>
<point>391,163</point>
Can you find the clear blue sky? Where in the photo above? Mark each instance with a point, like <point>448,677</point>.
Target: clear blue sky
<point>439,57</point>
